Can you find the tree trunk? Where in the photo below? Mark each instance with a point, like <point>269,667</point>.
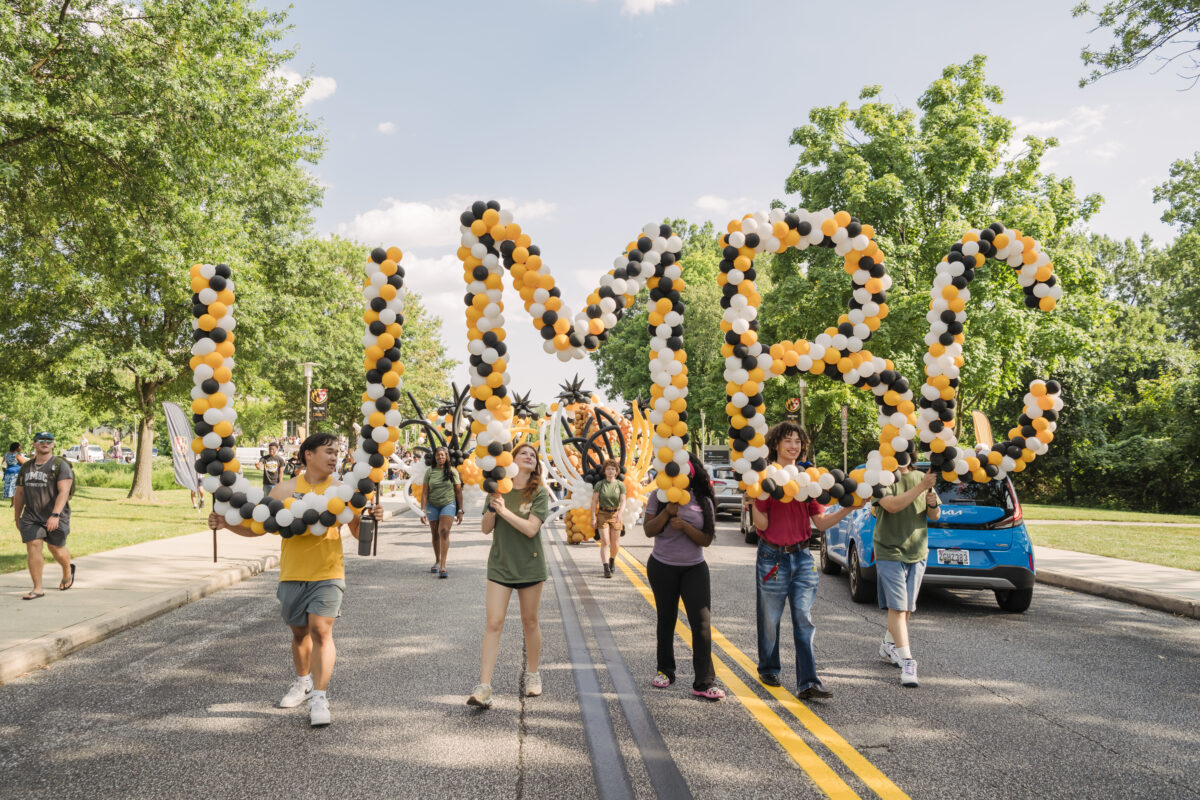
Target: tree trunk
<point>143,487</point>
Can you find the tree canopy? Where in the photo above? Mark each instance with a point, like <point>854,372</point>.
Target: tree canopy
<point>1141,29</point>
<point>135,141</point>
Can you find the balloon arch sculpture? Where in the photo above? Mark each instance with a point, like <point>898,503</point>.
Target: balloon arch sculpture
<point>497,420</point>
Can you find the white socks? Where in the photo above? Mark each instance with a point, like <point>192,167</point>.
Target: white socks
<point>887,637</point>
<point>318,693</point>
<point>904,652</point>
<point>306,680</point>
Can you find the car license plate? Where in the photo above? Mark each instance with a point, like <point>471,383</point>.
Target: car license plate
<point>959,557</point>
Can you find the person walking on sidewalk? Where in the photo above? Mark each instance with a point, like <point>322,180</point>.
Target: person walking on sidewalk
<point>42,510</point>
<point>13,460</point>
<point>272,466</point>
<point>443,506</point>
<point>312,579</point>
<point>785,571</point>
<point>517,561</point>
<point>608,503</point>
<point>901,547</point>
<point>676,569</point>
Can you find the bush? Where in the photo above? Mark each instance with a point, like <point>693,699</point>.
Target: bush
<point>112,475</point>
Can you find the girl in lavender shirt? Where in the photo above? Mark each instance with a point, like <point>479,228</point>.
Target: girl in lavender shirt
<point>676,569</point>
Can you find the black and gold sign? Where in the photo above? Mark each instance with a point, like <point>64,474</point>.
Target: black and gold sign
<point>320,404</point>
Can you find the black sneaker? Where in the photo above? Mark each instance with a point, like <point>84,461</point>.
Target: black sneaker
<point>769,679</point>
<point>607,571</point>
<point>815,693</point>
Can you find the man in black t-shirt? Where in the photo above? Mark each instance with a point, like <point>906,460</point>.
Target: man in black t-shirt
<point>43,513</point>
<point>272,466</point>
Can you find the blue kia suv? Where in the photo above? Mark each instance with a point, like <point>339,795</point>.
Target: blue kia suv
<point>980,542</point>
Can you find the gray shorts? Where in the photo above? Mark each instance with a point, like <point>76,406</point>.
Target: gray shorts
<point>32,530</point>
<point>298,599</point>
<point>898,584</point>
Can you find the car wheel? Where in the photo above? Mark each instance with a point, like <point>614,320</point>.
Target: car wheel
<point>828,565</point>
<point>861,590</point>
<point>1014,600</point>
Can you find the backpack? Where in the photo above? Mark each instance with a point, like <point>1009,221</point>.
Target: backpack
<point>58,462</point>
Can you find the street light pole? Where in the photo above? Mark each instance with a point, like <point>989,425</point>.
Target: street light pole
<point>803,386</point>
<point>308,373</point>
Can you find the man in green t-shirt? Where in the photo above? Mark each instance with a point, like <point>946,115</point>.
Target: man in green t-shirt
<point>901,546</point>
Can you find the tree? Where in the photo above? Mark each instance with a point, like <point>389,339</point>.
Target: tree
<point>922,177</point>
<point>1142,28</point>
<point>620,361</point>
<point>307,306</point>
<point>134,141</point>
<point>30,407</point>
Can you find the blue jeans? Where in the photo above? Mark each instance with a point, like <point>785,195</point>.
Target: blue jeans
<point>795,580</point>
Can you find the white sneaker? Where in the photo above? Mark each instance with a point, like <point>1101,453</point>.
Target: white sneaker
<point>908,672</point>
<point>533,684</point>
<point>888,652</point>
<point>482,696</point>
<point>318,711</point>
<point>296,694</point>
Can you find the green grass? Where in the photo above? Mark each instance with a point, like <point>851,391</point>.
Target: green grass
<point>103,519</point>
<point>1169,547</point>
<point>1036,512</point>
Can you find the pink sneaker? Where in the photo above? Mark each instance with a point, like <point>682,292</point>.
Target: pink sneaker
<point>711,693</point>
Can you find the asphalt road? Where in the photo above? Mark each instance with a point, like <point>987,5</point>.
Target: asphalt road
<point>1079,697</point>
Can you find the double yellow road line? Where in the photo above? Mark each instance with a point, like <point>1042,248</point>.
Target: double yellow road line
<point>826,779</point>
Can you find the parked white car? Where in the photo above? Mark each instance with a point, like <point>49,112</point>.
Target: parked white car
<point>95,453</point>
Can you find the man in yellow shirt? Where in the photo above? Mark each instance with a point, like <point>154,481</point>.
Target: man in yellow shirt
<point>312,578</point>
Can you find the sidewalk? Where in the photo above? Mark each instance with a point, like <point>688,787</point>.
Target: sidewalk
<point>1176,591</point>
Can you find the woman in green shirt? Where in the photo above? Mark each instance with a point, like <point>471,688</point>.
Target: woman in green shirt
<point>443,505</point>
<point>517,561</point>
<point>608,503</point>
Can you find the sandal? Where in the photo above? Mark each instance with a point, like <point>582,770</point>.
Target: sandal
<point>443,574</point>
<point>711,693</point>
<point>662,681</point>
<point>433,570</point>
<point>62,588</point>
<point>33,595</point>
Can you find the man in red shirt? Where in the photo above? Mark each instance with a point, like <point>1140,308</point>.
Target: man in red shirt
<point>785,570</point>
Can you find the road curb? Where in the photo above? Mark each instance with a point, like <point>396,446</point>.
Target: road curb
<point>44,650</point>
<point>1126,594</point>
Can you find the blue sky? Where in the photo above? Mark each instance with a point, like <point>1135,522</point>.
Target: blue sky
<point>590,118</point>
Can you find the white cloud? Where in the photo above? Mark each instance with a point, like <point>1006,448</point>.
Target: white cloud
<point>635,7</point>
<point>1070,130</point>
<point>386,127</point>
<point>319,87</point>
<point>1106,151</point>
<point>721,206</point>
<point>430,225</point>
<point>1076,133</point>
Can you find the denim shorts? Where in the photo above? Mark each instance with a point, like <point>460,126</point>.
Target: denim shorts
<point>433,512</point>
<point>899,584</point>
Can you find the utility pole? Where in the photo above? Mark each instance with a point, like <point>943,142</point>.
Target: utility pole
<point>308,373</point>
<point>803,386</point>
